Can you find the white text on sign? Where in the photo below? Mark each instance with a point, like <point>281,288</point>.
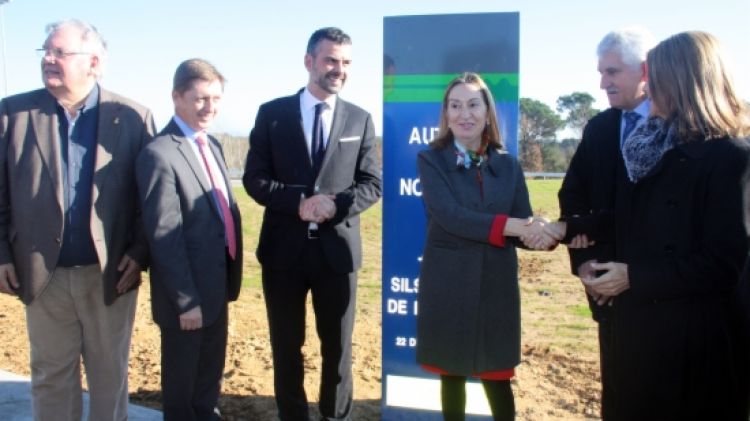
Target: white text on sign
<point>404,285</point>
<point>400,307</point>
<point>410,187</point>
<point>423,135</point>
<point>403,341</point>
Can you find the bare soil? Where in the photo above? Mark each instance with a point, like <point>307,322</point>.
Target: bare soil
<point>557,379</point>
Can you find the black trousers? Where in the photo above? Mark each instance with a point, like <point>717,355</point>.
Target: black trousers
<point>333,298</point>
<point>606,369</point>
<point>192,363</point>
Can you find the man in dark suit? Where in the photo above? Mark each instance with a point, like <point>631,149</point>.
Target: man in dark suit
<point>71,243</point>
<point>313,164</point>
<point>588,190</point>
<point>193,227</point>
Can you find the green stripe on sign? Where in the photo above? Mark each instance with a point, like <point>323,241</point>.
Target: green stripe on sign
<point>430,88</point>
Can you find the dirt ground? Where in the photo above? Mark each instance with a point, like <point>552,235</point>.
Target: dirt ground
<point>557,379</point>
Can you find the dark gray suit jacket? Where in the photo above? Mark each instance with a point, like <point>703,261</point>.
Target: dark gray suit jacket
<point>31,191</point>
<point>190,266</point>
<point>279,170</point>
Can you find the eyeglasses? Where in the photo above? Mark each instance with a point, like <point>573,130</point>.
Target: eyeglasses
<point>57,53</point>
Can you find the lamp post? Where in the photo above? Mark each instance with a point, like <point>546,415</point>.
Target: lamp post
<point>2,33</point>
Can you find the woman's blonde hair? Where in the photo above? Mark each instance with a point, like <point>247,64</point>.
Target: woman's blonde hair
<point>690,83</point>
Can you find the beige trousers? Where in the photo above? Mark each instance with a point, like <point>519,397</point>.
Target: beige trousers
<point>66,322</point>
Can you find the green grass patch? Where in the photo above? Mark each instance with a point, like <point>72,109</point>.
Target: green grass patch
<point>581,310</point>
<point>543,196</point>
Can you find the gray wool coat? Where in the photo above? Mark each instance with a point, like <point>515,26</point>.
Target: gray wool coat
<point>469,318</point>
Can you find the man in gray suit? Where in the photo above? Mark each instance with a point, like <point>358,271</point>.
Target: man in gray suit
<point>193,227</point>
<point>71,243</point>
<point>313,164</point>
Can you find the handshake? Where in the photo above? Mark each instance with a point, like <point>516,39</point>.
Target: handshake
<point>317,208</point>
<point>539,233</point>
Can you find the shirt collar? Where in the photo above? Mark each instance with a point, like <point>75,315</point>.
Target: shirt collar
<point>309,101</point>
<point>91,102</point>
<point>643,109</point>
<point>186,130</point>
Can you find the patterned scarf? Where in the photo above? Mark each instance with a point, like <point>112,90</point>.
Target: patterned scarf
<point>468,158</point>
<point>644,148</point>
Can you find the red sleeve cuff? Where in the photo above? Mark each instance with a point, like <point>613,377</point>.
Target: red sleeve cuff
<point>496,231</point>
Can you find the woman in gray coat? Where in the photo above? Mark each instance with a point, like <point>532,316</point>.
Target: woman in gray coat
<point>469,306</point>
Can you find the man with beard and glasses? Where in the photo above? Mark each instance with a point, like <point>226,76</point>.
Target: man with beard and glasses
<point>313,165</point>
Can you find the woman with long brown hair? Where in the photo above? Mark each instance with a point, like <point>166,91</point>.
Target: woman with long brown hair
<point>681,243</point>
<point>469,322</point>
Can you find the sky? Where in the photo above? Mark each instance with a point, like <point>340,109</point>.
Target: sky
<point>259,46</point>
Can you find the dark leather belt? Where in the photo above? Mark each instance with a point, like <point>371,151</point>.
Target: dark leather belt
<point>313,234</point>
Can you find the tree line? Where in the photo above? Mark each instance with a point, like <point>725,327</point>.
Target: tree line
<point>538,146</point>
<point>539,149</point>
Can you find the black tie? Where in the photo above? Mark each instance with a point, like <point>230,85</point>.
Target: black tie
<point>318,147</point>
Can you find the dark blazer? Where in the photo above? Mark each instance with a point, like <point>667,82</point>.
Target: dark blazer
<point>588,189</point>
<point>190,266</point>
<point>31,192</point>
<point>680,231</point>
<point>587,195</point>
<point>279,170</point>
<point>469,305</point>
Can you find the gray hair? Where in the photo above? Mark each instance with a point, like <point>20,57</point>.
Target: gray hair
<point>632,43</point>
<point>92,39</point>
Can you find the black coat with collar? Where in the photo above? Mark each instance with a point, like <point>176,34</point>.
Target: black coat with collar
<point>676,348</point>
<point>278,171</point>
<point>587,195</point>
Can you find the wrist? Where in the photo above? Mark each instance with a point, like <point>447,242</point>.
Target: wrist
<point>516,227</point>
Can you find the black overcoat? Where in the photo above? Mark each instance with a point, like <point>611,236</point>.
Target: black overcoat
<point>680,231</point>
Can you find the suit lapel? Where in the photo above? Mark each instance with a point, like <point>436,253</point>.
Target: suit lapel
<point>219,157</point>
<point>299,133</point>
<point>493,178</point>
<point>191,160</point>
<point>44,118</point>
<point>107,139</point>
<point>340,116</point>
<point>183,145</point>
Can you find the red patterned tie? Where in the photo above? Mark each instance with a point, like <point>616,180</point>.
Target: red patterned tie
<point>220,198</point>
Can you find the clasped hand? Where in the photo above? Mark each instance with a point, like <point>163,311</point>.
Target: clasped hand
<point>552,234</point>
<point>541,234</point>
<point>612,280</point>
<point>317,208</point>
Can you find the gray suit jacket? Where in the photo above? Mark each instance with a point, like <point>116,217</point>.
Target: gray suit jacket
<point>31,190</point>
<point>190,265</point>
